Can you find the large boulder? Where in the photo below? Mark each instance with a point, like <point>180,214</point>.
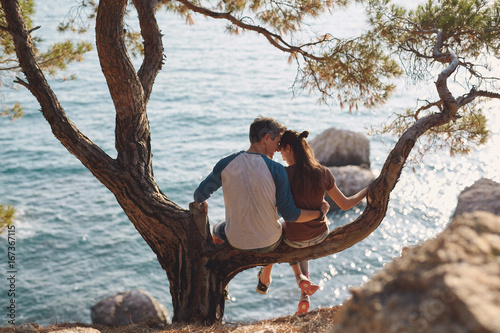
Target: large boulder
<point>482,195</point>
<point>336,147</point>
<point>350,180</point>
<point>130,307</point>
<point>447,284</point>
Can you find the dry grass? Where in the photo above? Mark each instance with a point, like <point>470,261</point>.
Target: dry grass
<point>318,321</point>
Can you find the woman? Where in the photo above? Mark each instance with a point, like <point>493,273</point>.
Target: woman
<point>309,181</point>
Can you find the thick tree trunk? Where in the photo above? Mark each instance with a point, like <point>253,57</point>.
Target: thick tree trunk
<point>196,288</point>
<point>184,249</point>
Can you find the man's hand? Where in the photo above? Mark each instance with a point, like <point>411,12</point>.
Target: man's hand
<point>202,207</point>
<point>200,217</point>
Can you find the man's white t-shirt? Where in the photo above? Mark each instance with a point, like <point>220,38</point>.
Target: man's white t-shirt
<point>255,189</point>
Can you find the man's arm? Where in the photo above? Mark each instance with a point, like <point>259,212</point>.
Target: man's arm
<point>208,186</point>
<point>213,180</point>
<point>308,215</point>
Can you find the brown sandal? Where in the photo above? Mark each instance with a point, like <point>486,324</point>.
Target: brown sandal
<point>261,287</point>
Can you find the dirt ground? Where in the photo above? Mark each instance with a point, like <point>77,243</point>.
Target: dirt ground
<point>318,321</point>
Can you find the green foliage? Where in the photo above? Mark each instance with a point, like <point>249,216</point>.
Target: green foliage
<point>362,74</point>
<point>459,137</point>
<point>350,72</point>
<point>77,20</point>
<point>134,43</point>
<point>15,112</point>
<point>6,43</point>
<point>424,40</point>
<point>285,17</point>
<point>361,70</point>
<point>6,217</point>
<point>53,60</point>
<point>281,17</point>
<point>468,26</point>
<point>8,62</point>
<point>59,55</point>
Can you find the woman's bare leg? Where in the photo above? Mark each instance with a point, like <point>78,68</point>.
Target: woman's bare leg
<point>304,267</point>
<point>265,277</point>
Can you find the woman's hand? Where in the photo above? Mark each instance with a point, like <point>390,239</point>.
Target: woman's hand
<point>325,207</point>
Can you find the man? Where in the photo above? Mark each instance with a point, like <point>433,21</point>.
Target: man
<point>255,189</point>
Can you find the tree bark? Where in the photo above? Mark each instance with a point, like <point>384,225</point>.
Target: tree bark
<point>197,269</point>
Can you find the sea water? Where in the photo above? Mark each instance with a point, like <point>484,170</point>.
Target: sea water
<point>74,245</point>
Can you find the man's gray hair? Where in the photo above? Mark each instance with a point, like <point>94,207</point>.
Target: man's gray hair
<point>265,125</point>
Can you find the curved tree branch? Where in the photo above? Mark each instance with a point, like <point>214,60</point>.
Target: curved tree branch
<point>348,235</point>
<point>473,94</point>
<point>449,102</point>
<point>489,94</point>
<point>168,232</point>
<point>132,126</point>
<point>68,134</point>
<point>153,46</point>
<point>275,39</point>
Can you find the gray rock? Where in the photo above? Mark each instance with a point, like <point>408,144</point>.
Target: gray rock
<point>127,308</point>
<point>24,328</point>
<point>447,284</point>
<point>336,147</point>
<point>75,330</point>
<point>350,180</point>
<point>482,195</point>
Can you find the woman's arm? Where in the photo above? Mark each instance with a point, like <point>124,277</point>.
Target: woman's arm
<point>344,202</point>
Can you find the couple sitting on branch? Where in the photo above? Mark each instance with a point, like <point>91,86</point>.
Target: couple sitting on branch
<point>256,189</point>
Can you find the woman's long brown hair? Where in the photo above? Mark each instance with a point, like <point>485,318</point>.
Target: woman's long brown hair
<point>308,168</point>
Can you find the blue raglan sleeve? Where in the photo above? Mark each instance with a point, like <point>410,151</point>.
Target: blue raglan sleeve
<point>284,198</point>
<point>213,181</point>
